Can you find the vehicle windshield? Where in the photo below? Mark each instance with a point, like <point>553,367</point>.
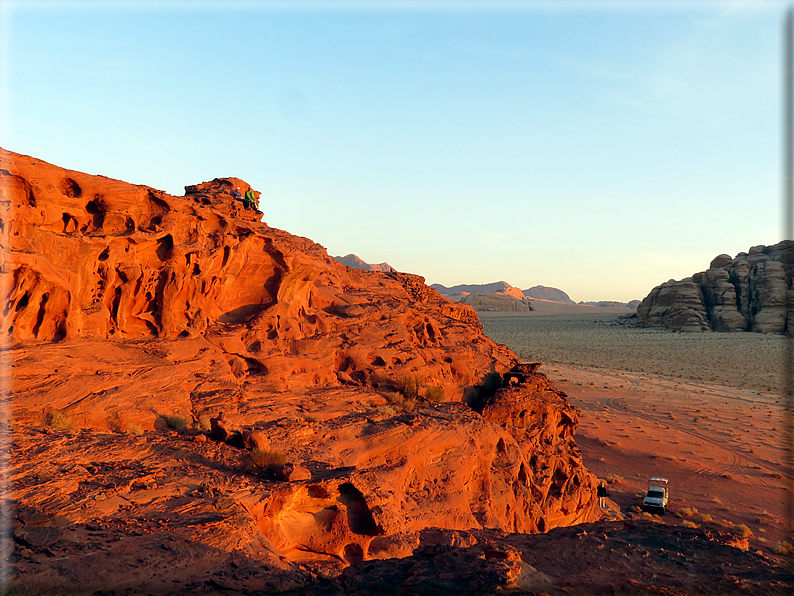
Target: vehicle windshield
<point>655,492</point>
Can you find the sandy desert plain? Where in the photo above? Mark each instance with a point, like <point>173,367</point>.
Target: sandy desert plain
<point>705,410</point>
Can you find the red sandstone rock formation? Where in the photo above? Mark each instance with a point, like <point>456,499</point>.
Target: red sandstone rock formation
<point>129,310</point>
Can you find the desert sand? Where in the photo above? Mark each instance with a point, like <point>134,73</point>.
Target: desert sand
<point>704,410</point>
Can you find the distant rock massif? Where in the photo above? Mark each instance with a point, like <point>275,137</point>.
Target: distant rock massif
<point>500,296</point>
<point>749,292</point>
<point>355,262</point>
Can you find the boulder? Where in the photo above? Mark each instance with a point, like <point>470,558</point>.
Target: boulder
<point>255,439</point>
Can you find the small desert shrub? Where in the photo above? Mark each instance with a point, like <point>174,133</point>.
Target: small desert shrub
<point>176,423</point>
<point>614,479</point>
<point>689,524</point>
<point>410,386</point>
<point>57,419</point>
<point>311,418</point>
<point>264,462</point>
<point>135,430</point>
<point>783,548</point>
<point>742,530</point>
<point>434,394</point>
<point>687,512</point>
<point>400,400</point>
<point>203,424</point>
<point>703,517</point>
<point>635,509</point>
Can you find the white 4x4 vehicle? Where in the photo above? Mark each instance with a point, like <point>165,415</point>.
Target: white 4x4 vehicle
<point>657,496</point>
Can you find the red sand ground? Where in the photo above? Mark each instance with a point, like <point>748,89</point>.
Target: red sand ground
<point>720,447</point>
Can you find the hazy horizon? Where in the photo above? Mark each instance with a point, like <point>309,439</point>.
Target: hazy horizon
<point>599,148</point>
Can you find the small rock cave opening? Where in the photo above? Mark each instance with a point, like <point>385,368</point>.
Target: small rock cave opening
<point>97,210</point>
<point>71,189</point>
<point>353,553</point>
<point>165,247</point>
<point>476,396</point>
<point>359,516</point>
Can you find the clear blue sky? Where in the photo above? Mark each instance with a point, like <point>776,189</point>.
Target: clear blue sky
<point>598,147</point>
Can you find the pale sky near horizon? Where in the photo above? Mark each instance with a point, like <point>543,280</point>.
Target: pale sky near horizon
<point>598,147</point>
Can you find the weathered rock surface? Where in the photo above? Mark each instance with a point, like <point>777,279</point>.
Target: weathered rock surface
<point>253,309</point>
<point>748,292</point>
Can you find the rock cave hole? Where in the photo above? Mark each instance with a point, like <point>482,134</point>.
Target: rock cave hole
<point>255,347</point>
<point>196,269</point>
<point>158,201</point>
<point>165,247</point>
<point>359,516</point>
<point>70,188</point>
<point>104,255</point>
<point>69,223</point>
<point>116,301</point>
<point>353,553</point>
<point>40,316</point>
<point>500,446</point>
<point>317,491</point>
<point>226,253</point>
<point>523,478</point>
<point>130,224</point>
<point>23,302</point>
<point>97,210</point>
<point>378,361</point>
<point>154,222</point>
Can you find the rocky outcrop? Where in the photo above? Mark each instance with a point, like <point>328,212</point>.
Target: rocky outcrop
<point>95,258</point>
<point>748,292</point>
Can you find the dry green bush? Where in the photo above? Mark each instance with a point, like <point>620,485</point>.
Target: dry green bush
<point>135,430</point>
<point>264,462</point>
<point>311,418</point>
<point>57,419</point>
<point>635,509</point>
<point>176,422</point>
<point>742,530</point>
<point>703,517</point>
<point>613,479</point>
<point>434,394</point>
<point>400,400</point>
<point>203,424</point>
<point>410,386</point>
<point>783,548</point>
<point>690,524</point>
<point>687,512</point>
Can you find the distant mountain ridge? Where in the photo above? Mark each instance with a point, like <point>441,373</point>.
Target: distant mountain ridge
<point>356,262</point>
<point>547,293</point>
<point>500,296</point>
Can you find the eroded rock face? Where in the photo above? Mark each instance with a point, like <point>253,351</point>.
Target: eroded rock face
<point>90,257</point>
<point>745,293</point>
